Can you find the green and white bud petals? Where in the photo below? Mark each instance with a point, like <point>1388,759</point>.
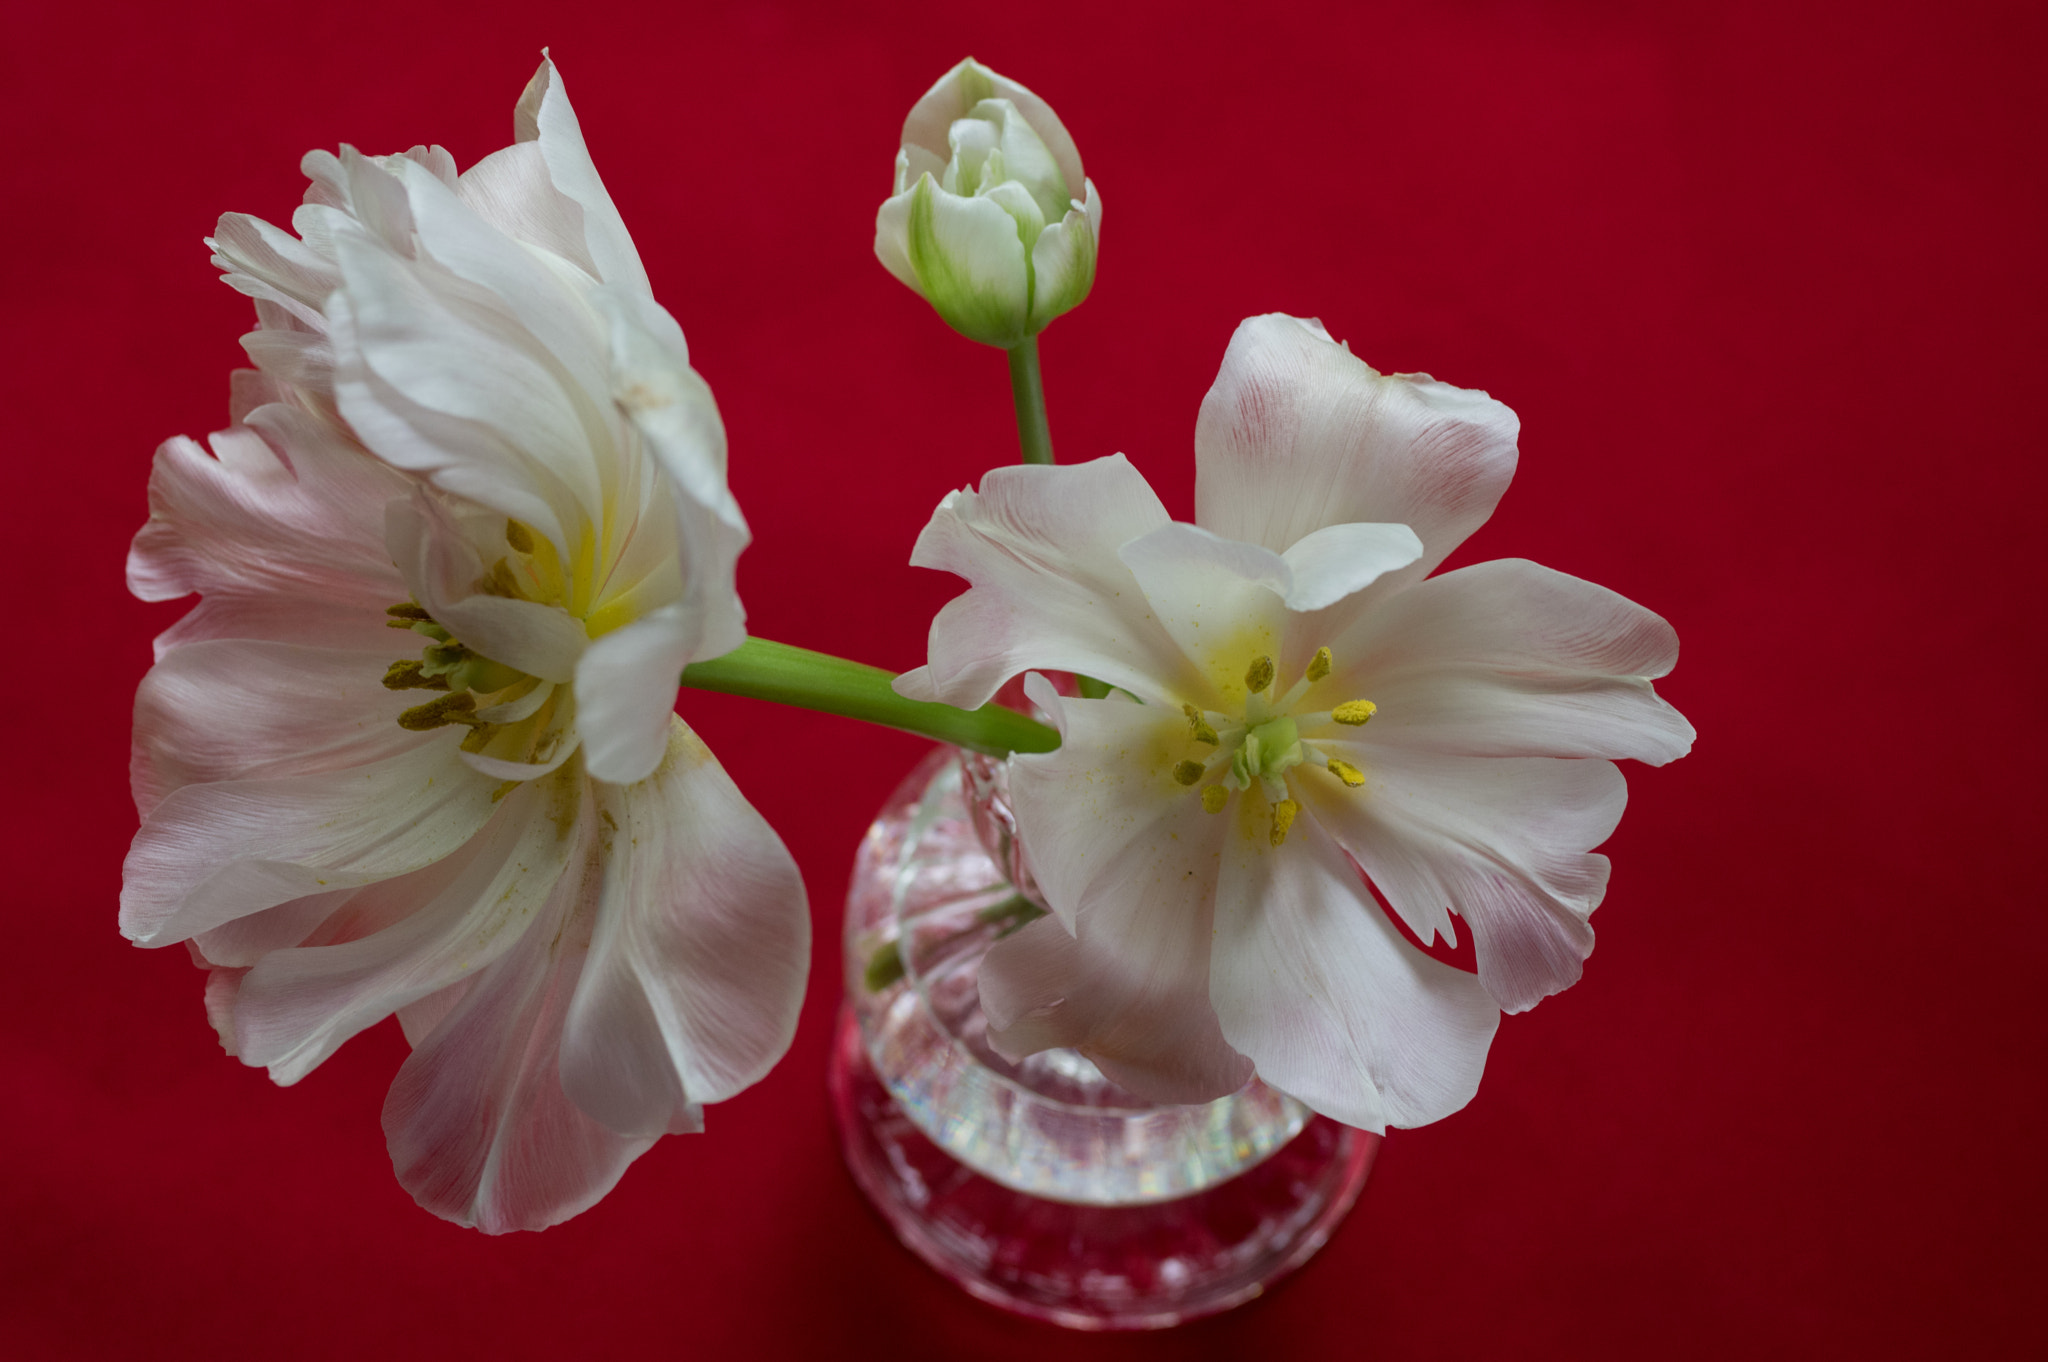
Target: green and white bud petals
<point>975,145</point>
<point>969,263</point>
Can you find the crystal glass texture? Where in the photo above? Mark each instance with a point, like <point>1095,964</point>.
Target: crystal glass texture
<point>1042,1187</point>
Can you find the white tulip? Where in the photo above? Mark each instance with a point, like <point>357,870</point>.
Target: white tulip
<point>984,221</point>
<point>1202,850</point>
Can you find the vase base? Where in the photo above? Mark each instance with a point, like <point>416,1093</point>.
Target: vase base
<point>1093,1267</point>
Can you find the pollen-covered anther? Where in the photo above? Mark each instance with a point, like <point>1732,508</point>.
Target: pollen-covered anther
<point>1283,819</point>
<point>1201,728</point>
<point>1318,666</point>
<point>1214,798</point>
<point>1259,676</point>
<point>407,611</point>
<point>1188,772</point>
<point>519,537</point>
<point>1346,772</point>
<point>405,674</point>
<point>459,708</point>
<point>1354,712</point>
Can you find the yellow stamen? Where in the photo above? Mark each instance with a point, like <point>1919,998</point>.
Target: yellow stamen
<point>1200,726</point>
<point>1188,772</point>
<point>405,675</point>
<point>407,610</point>
<point>1346,772</point>
<point>1283,819</point>
<point>1318,666</point>
<point>1354,712</point>
<point>1259,675</point>
<point>439,713</point>
<point>519,537</point>
<point>1214,798</point>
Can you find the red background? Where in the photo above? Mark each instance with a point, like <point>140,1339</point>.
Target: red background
<point>1765,284</point>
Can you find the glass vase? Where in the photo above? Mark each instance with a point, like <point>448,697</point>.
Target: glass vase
<point>1042,1187</point>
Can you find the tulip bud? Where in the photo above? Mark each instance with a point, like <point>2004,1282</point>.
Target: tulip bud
<point>984,222</point>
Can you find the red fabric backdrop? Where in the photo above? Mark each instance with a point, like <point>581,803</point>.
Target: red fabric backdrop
<point>1764,283</point>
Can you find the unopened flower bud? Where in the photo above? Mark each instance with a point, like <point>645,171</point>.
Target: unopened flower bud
<point>984,222</point>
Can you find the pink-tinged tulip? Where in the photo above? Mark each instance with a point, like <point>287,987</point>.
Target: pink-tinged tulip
<point>1299,702</point>
<point>414,750</point>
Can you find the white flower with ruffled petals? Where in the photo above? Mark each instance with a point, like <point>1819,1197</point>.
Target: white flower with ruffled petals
<point>415,750</point>
<point>1300,701</point>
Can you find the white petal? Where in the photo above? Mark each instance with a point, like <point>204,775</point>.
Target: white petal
<point>238,710</point>
<point>544,115</point>
<point>534,749</point>
<point>546,302</point>
<point>970,263</point>
<point>402,939</point>
<point>441,569</point>
<point>966,85</point>
<point>1508,659</point>
<point>1223,602</point>
<point>1502,842</point>
<point>1134,873</point>
<point>1339,560</point>
<point>1063,262</point>
<point>626,687</point>
<point>208,854</point>
<point>696,969</point>
<point>892,234</point>
<point>458,396</point>
<point>510,189</point>
<point>479,1128</point>
<point>250,250</point>
<point>1297,434</point>
<point>1038,545</point>
<point>1314,984</point>
<point>281,528</point>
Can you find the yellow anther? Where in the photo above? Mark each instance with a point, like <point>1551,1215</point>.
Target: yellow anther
<point>1354,712</point>
<point>1200,726</point>
<point>1318,666</point>
<point>405,675</point>
<point>1259,675</point>
<point>1188,772</point>
<point>1346,772</point>
<point>519,537</point>
<point>1215,797</point>
<point>407,610</point>
<point>459,708</point>
<point>1283,819</point>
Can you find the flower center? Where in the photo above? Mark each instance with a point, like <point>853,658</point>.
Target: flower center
<point>1263,747</point>
<point>510,714</point>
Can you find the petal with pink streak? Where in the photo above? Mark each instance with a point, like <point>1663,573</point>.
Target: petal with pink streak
<point>1509,659</point>
<point>699,951</point>
<point>1503,842</point>
<point>479,1128</point>
<point>235,709</point>
<point>1298,433</point>
<point>1134,873</point>
<point>1038,546</point>
<point>400,940</point>
<point>1314,984</point>
<point>281,527</point>
<point>211,853</point>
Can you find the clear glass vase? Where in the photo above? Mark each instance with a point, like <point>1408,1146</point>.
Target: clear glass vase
<point>1042,1187</point>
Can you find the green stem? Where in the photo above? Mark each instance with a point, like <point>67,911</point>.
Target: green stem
<point>833,685</point>
<point>1027,389</point>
